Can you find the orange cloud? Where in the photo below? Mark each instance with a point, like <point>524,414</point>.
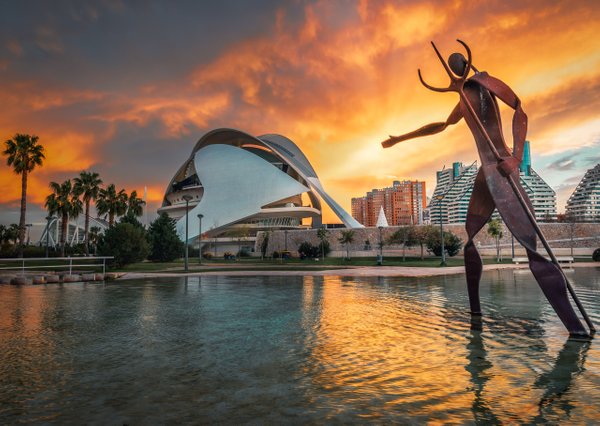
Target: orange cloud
<point>337,82</point>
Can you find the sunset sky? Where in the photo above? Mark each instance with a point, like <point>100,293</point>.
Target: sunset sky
<point>125,89</point>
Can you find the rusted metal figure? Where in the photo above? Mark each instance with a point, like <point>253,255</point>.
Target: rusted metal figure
<point>497,184</point>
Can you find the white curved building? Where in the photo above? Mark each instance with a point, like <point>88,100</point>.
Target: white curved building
<point>233,178</point>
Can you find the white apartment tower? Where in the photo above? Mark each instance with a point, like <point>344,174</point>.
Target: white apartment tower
<point>584,203</point>
<point>455,185</point>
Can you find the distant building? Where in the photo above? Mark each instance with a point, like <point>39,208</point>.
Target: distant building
<point>584,203</point>
<point>403,204</point>
<point>238,182</point>
<point>455,185</point>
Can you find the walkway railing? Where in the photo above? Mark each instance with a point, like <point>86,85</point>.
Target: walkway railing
<point>55,263</point>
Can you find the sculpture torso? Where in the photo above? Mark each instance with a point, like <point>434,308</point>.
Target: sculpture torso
<point>485,106</point>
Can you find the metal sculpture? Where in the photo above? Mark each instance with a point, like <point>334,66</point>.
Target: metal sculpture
<point>497,185</point>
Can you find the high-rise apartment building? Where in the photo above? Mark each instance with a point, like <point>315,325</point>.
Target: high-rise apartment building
<point>403,204</point>
<point>584,203</point>
<point>450,199</point>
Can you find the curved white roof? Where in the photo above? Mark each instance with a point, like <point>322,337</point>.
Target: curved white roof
<point>232,177</point>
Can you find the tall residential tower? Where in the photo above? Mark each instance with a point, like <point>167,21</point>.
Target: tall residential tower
<point>584,203</point>
<point>403,204</point>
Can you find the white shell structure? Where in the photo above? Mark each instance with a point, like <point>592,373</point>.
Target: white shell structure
<point>233,178</point>
<point>381,219</point>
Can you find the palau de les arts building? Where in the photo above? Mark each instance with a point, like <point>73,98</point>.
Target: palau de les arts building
<point>235,180</point>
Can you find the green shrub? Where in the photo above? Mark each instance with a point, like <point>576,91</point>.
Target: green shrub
<point>126,242</point>
<point>452,243</point>
<point>596,255</point>
<point>165,245</point>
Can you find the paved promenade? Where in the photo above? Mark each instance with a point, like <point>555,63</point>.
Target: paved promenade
<point>356,271</point>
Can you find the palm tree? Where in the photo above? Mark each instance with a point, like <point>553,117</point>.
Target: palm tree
<point>347,238</point>
<point>24,153</point>
<point>135,205</point>
<point>87,185</point>
<point>111,202</point>
<point>11,233</point>
<point>495,230</point>
<point>94,236</point>
<point>65,202</point>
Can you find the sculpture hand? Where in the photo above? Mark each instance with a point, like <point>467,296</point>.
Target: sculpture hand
<point>507,165</point>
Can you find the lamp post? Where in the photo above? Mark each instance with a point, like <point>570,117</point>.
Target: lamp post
<point>200,216</point>
<point>187,199</point>
<point>285,232</point>
<point>512,245</point>
<point>28,225</point>
<point>380,257</point>
<point>440,198</point>
<point>48,219</point>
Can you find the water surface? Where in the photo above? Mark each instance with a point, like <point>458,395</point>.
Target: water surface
<point>295,350</point>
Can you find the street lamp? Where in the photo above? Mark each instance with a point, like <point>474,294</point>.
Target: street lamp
<point>200,216</point>
<point>440,198</point>
<point>380,257</point>
<point>285,232</point>
<point>187,199</point>
<point>28,225</point>
<point>48,219</point>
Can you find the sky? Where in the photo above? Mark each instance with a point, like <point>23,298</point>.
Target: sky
<point>126,88</point>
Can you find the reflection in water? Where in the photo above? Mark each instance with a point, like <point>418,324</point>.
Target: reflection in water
<point>556,383</point>
<point>294,350</point>
<point>478,367</point>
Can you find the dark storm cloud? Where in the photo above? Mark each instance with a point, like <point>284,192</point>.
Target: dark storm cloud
<point>113,44</point>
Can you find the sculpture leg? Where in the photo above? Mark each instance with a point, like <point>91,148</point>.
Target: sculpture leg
<point>548,275</point>
<point>481,207</point>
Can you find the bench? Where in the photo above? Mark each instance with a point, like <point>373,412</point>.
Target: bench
<point>561,259</point>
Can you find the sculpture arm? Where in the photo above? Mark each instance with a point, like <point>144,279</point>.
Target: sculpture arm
<point>429,129</point>
<point>519,125</point>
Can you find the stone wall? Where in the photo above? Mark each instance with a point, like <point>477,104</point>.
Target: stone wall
<point>585,238</point>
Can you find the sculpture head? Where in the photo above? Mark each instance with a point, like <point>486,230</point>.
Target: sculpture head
<point>457,63</point>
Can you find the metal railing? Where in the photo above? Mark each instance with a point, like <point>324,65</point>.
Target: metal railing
<point>49,263</point>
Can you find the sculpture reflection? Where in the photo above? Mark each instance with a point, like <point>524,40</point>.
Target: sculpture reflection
<point>556,401</point>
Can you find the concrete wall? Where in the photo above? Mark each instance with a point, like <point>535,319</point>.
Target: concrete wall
<point>585,238</point>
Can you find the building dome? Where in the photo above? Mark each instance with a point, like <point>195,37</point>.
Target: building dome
<point>234,179</point>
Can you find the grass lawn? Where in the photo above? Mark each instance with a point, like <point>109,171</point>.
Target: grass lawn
<point>294,264</point>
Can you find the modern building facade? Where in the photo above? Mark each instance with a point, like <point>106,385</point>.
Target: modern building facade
<point>450,200</point>
<point>584,203</point>
<point>403,204</point>
<point>237,180</point>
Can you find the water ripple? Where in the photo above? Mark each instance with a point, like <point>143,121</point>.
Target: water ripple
<point>295,350</point>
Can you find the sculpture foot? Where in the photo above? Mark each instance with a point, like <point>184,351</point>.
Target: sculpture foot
<point>580,337</point>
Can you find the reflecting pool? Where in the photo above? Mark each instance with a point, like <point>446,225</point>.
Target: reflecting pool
<point>295,350</point>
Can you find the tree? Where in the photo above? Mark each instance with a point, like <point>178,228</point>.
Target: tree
<point>347,238</point>
<point>494,229</point>
<point>307,250</point>
<point>64,202</point>
<point>135,205</point>
<point>165,245</point>
<point>422,234</point>
<point>112,203</point>
<point>24,153</point>
<point>11,234</point>
<point>94,237</point>
<point>452,243</point>
<point>87,185</point>
<point>405,236</point>
<point>323,236</point>
<point>264,245</point>
<point>126,242</point>
<point>2,233</point>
